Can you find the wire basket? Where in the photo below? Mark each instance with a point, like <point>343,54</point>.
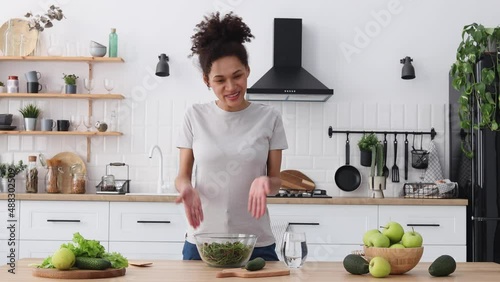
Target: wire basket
<point>420,190</point>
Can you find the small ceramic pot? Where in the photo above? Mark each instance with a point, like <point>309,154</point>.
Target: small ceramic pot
<point>70,89</point>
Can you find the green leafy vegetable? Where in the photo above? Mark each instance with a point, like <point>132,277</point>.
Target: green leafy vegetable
<point>225,254</point>
<point>82,247</point>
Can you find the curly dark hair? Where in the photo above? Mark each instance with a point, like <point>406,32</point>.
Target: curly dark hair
<point>216,38</point>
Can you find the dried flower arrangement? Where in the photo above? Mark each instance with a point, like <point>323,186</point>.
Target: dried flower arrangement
<point>41,22</point>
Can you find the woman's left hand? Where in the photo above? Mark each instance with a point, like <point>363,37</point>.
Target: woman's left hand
<point>259,190</point>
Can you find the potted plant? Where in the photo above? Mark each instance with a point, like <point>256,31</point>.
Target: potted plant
<point>377,179</point>
<point>30,113</point>
<point>2,87</point>
<point>70,81</point>
<point>478,91</point>
<point>9,170</point>
<point>365,146</point>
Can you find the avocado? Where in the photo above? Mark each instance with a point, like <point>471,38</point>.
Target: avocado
<point>92,263</point>
<point>255,264</point>
<point>443,266</point>
<point>356,264</point>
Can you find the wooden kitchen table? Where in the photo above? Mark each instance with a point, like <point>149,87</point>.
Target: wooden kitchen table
<point>183,271</point>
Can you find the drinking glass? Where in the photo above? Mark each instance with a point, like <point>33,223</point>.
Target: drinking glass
<point>294,249</point>
<point>87,122</point>
<point>109,84</point>
<point>88,83</point>
<point>75,122</point>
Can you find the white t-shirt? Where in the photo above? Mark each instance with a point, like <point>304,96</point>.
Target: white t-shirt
<point>231,150</point>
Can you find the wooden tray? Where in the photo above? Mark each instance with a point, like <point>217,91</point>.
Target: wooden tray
<point>296,180</point>
<point>78,273</point>
<point>67,160</point>
<point>243,273</point>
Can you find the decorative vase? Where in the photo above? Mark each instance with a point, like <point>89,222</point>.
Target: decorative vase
<point>55,48</point>
<point>377,185</point>
<point>366,158</point>
<point>30,124</point>
<point>4,185</point>
<point>70,88</point>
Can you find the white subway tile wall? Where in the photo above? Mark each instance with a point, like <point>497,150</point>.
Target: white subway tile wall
<point>311,151</point>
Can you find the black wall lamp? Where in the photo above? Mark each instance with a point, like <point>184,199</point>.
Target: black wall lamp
<point>162,68</point>
<point>408,71</point>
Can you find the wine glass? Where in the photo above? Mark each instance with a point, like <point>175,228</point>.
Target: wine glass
<point>109,84</point>
<point>87,122</point>
<point>294,249</point>
<point>75,122</point>
<point>88,83</point>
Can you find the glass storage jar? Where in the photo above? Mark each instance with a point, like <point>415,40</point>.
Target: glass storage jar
<point>78,184</point>
<point>32,176</point>
<point>53,177</point>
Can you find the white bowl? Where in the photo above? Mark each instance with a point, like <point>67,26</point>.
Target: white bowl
<point>98,51</point>
<point>95,44</point>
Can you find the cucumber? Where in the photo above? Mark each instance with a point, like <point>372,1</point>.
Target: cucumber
<point>255,264</point>
<point>355,264</point>
<point>443,266</point>
<point>92,263</point>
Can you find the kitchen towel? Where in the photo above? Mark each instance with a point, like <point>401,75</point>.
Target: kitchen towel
<point>279,227</point>
<point>433,171</point>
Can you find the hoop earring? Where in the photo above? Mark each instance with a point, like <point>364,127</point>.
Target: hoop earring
<point>208,87</point>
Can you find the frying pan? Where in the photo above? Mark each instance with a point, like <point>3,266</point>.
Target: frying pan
<point>347,177</point>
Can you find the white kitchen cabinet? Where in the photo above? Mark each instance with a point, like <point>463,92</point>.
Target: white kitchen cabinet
<point>329,229</point>
<point>42,249</point>
<point>148,250</point>
<point>147,222</point>
<point>58,220</point>
<point>443,228</point>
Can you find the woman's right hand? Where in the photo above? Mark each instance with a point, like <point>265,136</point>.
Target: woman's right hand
<point>192,205</point>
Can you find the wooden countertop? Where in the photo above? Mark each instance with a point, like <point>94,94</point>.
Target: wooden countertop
<point>167,198</point>
<point>172,270</point>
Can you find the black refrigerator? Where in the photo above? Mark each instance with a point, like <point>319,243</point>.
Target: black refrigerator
<point>478,178</point>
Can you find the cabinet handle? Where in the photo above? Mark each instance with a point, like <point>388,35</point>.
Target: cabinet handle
<point>303,223</point>
<point>423,224</point>
<point>153,221</point>
<point>63,220</point>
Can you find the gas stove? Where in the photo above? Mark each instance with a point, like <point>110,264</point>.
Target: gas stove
<point>316,193</point>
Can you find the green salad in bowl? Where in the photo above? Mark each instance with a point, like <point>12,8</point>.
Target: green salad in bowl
<point>225,250</point>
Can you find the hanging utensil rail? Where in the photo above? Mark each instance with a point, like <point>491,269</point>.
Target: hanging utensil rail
<point>432,133</point>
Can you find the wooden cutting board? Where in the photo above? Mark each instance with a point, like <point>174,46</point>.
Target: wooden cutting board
<point>296,180</point>
<point>78,273</point>
<point>243,273</point>
<point>67,160</point>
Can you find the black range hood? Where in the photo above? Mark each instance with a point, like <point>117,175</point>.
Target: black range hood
<point>287,80</point>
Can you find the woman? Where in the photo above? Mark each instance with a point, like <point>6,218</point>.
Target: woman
<point>234,145</point>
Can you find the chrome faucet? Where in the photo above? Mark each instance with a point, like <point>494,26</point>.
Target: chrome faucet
<point>161,183</point>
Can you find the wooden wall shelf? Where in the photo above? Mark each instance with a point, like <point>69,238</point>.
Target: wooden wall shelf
<point>63,96</point>
<point>61,59</point>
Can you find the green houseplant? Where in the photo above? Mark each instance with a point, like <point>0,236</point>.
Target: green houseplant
<point>477,90</point>
<point>9,170</point>
<point>30,113</point>
<point>365,145</point>
<point>377,178</point>
<point>70,81</point>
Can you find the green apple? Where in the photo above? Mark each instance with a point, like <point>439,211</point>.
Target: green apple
<point>397,246</point>
<point>378,240</point>
<point>379,267</point>
<point>394,231</point>
<point>412,239</point>
<point>63,259</point>
<point>368,234</point>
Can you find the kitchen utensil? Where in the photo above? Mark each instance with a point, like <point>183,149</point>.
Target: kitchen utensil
<point>406,156</point>
<point>20,27</point>
<point>347,177</point>
<point>7,127</point>
<point>296,180</point>
<point>395,168</point>
<point>110,185</point>
<point>140,264</point>
<point>69,159</point>
<point>78,273</point>
<point>243,273</point>
<point>385,170</point>
<point>419,157</point>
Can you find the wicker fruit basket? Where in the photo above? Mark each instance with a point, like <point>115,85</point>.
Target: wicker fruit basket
<point>401,260</point>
